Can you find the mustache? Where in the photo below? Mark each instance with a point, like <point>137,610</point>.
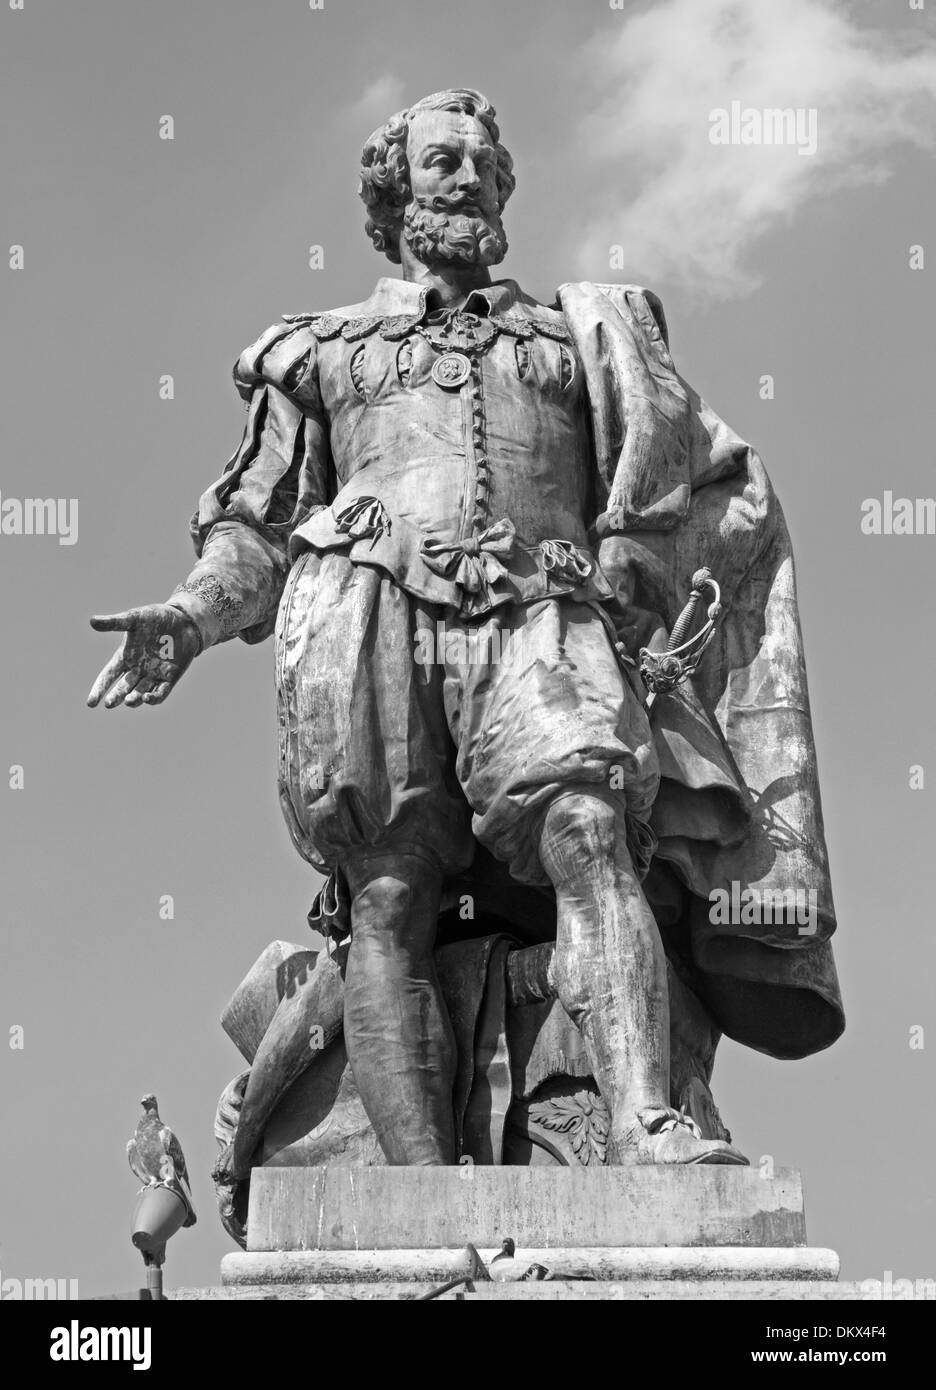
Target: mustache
<point>455,202</point>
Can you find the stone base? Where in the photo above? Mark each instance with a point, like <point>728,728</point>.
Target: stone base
<point>706,1232</point>
<point>598,1263</point>
<point>382,1208</point>
<point>669,1290</point>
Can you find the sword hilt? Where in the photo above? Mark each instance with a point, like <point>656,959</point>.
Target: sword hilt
<point>663,671</point>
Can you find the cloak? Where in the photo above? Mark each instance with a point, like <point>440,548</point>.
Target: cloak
<point>739,807</point>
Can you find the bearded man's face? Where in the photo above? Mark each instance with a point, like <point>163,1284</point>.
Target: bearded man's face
<point>452,217</point>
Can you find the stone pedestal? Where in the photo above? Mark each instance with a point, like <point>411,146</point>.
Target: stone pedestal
<point>695,1232</point>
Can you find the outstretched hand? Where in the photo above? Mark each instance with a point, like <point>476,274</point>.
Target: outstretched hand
<point>160,644</point>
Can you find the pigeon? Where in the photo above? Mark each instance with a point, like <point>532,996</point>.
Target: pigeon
<point>156,1156</point>
<point>508,1266</point>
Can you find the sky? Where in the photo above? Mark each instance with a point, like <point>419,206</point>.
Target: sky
<point>143,257</point>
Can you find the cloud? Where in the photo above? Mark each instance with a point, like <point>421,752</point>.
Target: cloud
<point>690,210</point>
<point>379,100</point>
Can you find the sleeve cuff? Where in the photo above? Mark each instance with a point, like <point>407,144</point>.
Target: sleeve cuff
<point>212,612</point>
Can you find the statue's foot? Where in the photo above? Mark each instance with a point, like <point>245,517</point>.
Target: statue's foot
<point>663,1135</point>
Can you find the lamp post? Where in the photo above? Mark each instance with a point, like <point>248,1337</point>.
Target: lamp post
<point>158,1214</point>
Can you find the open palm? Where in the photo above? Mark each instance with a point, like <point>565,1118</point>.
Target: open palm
<point>159,645</point>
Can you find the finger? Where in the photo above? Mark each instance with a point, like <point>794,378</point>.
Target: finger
<point>116,622</point>
<point>158,693</point>
<point>106,678</point>
<point>122,688</point>
<point>135,697</point>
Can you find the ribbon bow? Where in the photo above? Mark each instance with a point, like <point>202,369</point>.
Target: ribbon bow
<point>565,561</point>
<point>364,517</point>
<point>475,561</point>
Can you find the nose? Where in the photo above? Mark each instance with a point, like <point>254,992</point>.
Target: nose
<point>469,180</point>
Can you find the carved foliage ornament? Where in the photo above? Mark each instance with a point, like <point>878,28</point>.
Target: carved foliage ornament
<point>582,1117</point>
<point>455,329</point>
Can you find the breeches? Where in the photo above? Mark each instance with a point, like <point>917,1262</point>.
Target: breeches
<point>405,728</point>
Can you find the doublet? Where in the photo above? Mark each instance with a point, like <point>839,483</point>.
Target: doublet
<point>450,448</point>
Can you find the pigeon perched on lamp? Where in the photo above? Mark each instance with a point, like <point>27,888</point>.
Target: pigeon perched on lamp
<point>164,1202</point>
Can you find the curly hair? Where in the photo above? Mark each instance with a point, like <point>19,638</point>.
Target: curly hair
<point>385,186</point>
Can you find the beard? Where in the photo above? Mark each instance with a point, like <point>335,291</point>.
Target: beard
<point>440,232</point>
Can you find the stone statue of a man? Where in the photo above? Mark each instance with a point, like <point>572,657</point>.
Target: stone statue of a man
<point>463,512</point>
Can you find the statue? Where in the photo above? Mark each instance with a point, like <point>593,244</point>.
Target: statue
<point>473,522</point>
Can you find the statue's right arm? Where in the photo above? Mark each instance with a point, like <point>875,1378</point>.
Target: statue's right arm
<point>278,477</point>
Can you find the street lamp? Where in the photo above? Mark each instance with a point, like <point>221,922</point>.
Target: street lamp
<point>164,1202</point>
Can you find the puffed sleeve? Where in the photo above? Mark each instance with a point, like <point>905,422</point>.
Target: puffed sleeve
<point>279,476</point>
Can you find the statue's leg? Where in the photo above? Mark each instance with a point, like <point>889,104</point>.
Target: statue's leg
<point>610,976</point>
<point>610,970</point>
<point>396,1028</point>
<point>368,785</point>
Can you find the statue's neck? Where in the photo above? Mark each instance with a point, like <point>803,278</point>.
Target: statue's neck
<point>453,284</point>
